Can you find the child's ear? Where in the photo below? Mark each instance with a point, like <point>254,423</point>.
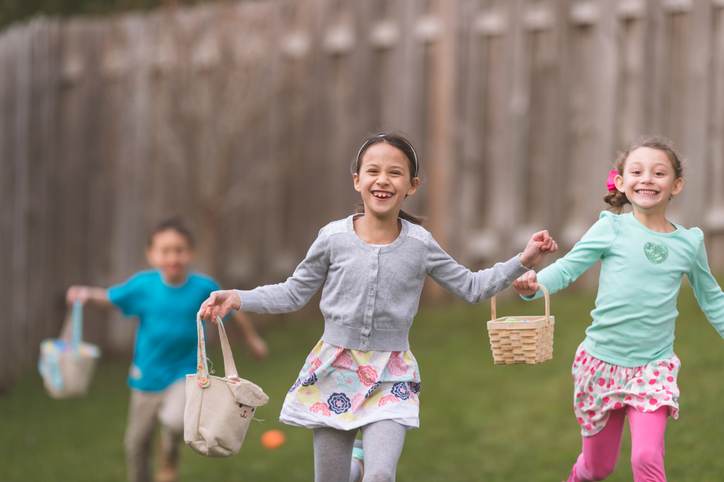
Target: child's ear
<point>678,186</point>
<point>414,184</point>
<point>149,255</point>
<point>618,180</point>
<point>355,181</point>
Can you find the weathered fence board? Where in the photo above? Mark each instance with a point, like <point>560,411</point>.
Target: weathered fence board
<point>244,117</point>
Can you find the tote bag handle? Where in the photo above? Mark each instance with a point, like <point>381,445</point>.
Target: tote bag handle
<point>202,367</point>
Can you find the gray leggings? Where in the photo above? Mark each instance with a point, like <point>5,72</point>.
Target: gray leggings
<point>382,443</point>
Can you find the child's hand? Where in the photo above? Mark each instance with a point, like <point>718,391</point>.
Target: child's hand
<point>87,294</point>
<point>77,293</point>
<point>219,304</point>
<point>258,347</point>
<point>538,246</point>
<point>527,284</point>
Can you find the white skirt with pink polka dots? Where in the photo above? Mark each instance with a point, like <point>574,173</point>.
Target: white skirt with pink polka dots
<point>600,387</point>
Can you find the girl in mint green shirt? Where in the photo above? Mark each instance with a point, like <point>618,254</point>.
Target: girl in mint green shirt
<point>626,366</point>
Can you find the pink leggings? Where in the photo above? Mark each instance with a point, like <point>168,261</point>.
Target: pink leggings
<point>600,452</point>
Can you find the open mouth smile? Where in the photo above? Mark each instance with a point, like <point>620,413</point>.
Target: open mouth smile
<point>382,194</point>
<point>647,192</point>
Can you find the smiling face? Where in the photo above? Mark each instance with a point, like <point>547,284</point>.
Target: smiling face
<point>170,252</point>
<point>384,180</point>
<point>649,180</point>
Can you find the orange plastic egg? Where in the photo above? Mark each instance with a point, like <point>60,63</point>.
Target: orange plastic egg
<point>273,439</point>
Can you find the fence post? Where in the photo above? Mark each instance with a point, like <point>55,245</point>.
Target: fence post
<point>441,123</point>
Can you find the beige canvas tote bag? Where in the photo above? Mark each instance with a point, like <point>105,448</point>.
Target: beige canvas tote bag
<point>218,410</point>
<point>67,364</point>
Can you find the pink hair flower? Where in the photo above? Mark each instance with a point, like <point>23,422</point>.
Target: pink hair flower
<point>611,181</point>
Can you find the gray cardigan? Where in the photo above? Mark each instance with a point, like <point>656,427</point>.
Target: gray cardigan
<point>371,293</point>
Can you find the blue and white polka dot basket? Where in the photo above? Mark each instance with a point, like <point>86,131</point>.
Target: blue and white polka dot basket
<point>67,366</point>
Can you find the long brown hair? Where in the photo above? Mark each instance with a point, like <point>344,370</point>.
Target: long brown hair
<point>401,143</point>
<point>616,199</point>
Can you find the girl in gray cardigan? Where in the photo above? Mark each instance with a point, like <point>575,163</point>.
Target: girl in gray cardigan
<point>371,267</point>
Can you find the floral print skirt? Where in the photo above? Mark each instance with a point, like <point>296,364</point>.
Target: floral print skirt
<point>346,389</point>
<point>600,387</point>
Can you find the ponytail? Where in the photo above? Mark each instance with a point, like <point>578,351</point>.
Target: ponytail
<point>617,200</point>
<point>411,218</point>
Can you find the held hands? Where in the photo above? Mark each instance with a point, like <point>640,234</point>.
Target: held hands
<point>540,244</point>
<point>527,284</point>
<point>219,304</point>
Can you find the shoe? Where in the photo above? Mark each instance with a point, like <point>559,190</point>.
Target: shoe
<point>167,473</point>
<point>357,452</point>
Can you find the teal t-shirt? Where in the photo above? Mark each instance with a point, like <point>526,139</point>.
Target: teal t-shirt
<point>641,274</point>
<point>165,349</point>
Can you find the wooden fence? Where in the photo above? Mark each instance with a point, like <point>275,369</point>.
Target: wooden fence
<point>243,117</point>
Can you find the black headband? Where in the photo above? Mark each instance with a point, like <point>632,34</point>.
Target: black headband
<point>383,137</point>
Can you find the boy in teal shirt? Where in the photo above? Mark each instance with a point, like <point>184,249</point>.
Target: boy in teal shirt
<point>165,301</point>
<point>165,347</point>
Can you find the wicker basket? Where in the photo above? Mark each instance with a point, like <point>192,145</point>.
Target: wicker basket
<point>521,339</point>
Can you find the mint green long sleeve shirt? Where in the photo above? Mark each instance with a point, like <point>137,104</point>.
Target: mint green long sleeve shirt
<point>641,274</point>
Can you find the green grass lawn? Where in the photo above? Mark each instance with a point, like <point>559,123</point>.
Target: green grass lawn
<point>479,422</point>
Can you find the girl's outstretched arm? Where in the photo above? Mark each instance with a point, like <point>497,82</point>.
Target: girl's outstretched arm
<point>474,286</point>
<point>298,289</point>
<point>285,297</point>
<point>594,244</point>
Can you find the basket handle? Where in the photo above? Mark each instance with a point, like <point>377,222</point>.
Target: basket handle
<point>77,316</point>
<point>546,296</point>
<point>72,330</point>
